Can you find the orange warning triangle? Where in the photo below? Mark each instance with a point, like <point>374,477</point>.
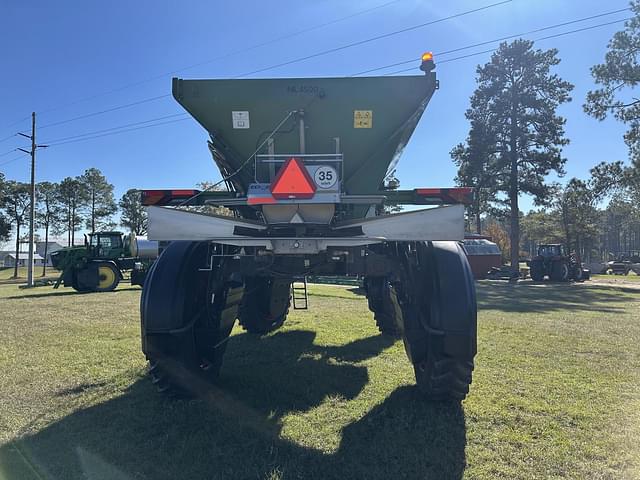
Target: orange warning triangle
<point>293,181</point>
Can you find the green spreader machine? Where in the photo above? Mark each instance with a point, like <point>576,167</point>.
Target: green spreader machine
<point>306,164</point>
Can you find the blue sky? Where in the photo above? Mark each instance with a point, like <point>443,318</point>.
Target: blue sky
<point>56,53</point>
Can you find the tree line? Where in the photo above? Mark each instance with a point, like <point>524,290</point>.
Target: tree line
<point>515,142</point>
<point>66,207</point>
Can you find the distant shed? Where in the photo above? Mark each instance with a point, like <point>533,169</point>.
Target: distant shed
<point>483,255</point>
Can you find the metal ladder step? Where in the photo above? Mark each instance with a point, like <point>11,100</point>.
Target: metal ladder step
<point>299,293</point>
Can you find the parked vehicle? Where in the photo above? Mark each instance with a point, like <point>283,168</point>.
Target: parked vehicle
<point>305,162</point>
<point>554,263</point>
<point>98,266</point>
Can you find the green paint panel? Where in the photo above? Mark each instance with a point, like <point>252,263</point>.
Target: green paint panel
<point>373,117</point>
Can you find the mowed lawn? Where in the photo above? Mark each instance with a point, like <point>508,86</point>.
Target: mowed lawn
<point>555,394</point>
<point>6,273</point>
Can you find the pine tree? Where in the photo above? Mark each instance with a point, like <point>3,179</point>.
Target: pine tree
<point>73,197</point>
<point>476,159</point>
<point>518,96</point>
<point>16,204</point>
<point>100,202</point>
<point>134,215</point>
<point>48,213</point>
<point>617,77</point>
<point>5,226</point>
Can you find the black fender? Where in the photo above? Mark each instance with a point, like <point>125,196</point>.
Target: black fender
<point>442,313</point>
<point>454,291</point>
<point>171,281</point>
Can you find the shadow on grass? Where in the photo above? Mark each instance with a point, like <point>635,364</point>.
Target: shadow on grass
<point>235,431</point>
<point>543,297</point>
<point>61,293</point>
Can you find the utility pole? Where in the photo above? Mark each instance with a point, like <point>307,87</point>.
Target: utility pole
<point>32,207</point>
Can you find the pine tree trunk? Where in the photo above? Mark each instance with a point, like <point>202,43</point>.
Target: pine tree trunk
<point>514,234</point>
<point>15,266</point>
<point>515,231</point>
<point>46,248</point>
<point>93,212</point>
<point>513,188</point>
<point>73,226</point>
<point>69,226</point>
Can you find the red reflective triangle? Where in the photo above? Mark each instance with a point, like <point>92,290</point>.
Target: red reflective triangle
<point>293,181</point>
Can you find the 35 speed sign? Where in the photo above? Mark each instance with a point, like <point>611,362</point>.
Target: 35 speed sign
<point>325,176</point>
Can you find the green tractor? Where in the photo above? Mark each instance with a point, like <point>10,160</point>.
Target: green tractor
<point>98,265</point>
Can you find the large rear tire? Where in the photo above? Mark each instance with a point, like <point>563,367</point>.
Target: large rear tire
<point>382,300</point>
<point>536,271</point>
<point>439,318</point>
<point>77,286</point>
<point>578,273</point>
<point>187,314</point>
<point>560,271</point>
<point>265,304</point>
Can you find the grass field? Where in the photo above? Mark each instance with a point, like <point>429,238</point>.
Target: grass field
<point>632,277</point>
<point>555,395</point>
<point>6,273</point>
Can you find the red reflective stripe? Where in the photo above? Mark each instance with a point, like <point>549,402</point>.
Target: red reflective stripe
<point>182,193</point>
<point>151,197</point>
<point>461,194</point>
<point>261,200</point>
<point>444,191</point>
<point>429,191</point>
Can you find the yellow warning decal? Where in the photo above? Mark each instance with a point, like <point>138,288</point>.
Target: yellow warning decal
<point>362,118</point>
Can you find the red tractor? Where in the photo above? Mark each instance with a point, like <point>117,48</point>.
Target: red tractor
<point>553,262</point>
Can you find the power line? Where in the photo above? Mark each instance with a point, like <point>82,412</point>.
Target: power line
<point>118,132</point>
<point>372,39</point>
<point>8,152</point>
<point>499,39</point>
<point>12,160</point>
<point>123,128</point>
<point>116,128</point>
<point>556,35</point>
<point>326,52</point>
<point>118,107</point>
<point>226,55</point>
<point>17,122</point>
<point>7,138</point>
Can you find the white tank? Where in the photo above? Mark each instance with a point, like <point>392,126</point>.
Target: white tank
<point>142,248</point>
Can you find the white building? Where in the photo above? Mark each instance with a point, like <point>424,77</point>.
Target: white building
<point>52,247</point>
<point>9,260</point>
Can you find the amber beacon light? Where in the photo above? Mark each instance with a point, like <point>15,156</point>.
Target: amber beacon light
<point>427,62</point>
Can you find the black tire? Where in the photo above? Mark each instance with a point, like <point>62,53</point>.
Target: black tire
<point>382,301</point>
<point>439,319</point>
<point>536,271</point>
<point>265,304</point>
<point>77,284</point>
<point>560,271</point>
<point>186,317</point>
<point>578,273</point>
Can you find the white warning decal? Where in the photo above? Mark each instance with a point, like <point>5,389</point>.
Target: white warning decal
<point>240,119</point>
